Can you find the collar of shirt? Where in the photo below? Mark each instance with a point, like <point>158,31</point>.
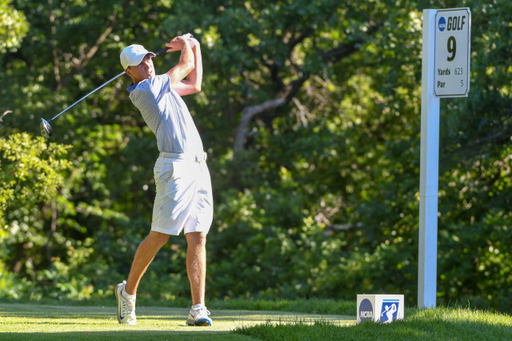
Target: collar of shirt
<point>131,87</point>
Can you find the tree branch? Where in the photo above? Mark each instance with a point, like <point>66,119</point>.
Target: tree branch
<point>288,92</point>
<point>5,113</point>
<point>247,114</point>
<point>53,42</point>
<point>336,54</point>
<point>92,51</point>
<point>84,59</point>
<point>300,38</point>
<point>274,74</point>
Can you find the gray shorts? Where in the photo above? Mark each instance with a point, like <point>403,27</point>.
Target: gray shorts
<point>183,194</point>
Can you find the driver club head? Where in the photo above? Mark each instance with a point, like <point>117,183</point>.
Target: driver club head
<point>46,128</point>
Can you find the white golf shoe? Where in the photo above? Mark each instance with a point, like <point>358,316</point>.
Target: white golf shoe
<point>199,317</point>
<point>125,306</point>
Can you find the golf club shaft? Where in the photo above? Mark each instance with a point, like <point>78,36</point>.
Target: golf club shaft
<point>165,49</point>
<point>101,86</point>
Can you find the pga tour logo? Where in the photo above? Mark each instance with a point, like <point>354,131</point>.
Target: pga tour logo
<point>442,24</point>
<point>389,311</point>
<point>366,310</point>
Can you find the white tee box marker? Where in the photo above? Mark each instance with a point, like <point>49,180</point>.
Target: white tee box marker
<point>381,308</point>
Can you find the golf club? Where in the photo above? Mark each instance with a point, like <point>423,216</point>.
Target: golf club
<point>46,128</point>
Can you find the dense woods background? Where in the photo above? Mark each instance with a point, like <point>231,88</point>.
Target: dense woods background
<point>310,114</point>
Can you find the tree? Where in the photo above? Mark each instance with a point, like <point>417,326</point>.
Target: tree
<point>310,116</point>
<point>13,27</point>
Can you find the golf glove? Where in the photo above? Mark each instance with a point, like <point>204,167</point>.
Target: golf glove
<point>191,40</point>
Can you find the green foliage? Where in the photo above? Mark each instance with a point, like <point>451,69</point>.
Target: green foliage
<point>13,26</point>
<point>322,200</point>
<point>31,173</point>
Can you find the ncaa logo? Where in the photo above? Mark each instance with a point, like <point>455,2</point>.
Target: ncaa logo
<point>389,311</point>
<point>442,24</point>
<point>366,310</point>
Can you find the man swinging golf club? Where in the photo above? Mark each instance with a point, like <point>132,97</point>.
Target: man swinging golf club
<point>183,187</point>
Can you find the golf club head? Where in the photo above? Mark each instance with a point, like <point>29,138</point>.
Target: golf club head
<point>46,128</point>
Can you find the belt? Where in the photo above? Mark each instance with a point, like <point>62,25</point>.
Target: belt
<point>183,156</point>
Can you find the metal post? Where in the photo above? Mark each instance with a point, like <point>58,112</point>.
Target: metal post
<point>429,170</point>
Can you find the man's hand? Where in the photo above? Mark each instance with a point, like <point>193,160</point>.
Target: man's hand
<point>192,84</point>
<point>186,63</point>
<point>193,43</point>
<point>176,44</point>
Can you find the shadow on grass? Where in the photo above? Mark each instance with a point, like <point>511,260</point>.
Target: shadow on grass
<point>126,335</point>
<point>157,313</point>
<point>100,313</point>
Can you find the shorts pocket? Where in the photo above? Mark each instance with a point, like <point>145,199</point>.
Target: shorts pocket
<point>164,173</point>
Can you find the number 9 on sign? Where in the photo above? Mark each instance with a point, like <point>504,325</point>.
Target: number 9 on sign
<point>452,48</point>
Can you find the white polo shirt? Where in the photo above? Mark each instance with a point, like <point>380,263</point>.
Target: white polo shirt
<point>166,115</point>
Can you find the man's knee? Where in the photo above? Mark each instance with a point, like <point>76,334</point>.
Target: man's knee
<point>196,239</point>
<point>157,238</point>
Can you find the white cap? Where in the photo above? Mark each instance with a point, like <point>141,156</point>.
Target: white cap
<point>133,55</point>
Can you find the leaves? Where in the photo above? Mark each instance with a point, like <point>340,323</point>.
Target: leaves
<point>32,172</point>
<point>321,195</point>
<point>13,26</point>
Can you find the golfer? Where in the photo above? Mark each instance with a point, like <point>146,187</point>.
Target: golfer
<point>183,187</point>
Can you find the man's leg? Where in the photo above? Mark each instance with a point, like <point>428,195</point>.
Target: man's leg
<point>125,292</point>
<point>143,257</point>
<point>196,265</point>
<point>196,269</point>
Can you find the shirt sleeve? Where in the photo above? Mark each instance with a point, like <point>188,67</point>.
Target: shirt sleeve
<point>152,89</point>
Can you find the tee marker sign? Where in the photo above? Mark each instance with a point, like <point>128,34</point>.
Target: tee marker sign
<point>452,52</point>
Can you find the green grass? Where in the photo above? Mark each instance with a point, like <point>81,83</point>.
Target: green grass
<point>310,306</point>
<point>435,324</point>
<point>240,320</point>
<point>63,322</point>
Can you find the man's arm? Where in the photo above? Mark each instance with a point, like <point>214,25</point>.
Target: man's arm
<point>194,79</point>
<point>186,63</point>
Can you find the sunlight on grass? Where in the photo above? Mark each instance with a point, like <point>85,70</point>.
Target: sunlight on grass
<point>463,315</point>
<point>38,322</point>
<point>59,322</point>
<point>435,324</point>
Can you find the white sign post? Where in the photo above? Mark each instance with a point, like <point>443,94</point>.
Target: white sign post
<point>445,73</point>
